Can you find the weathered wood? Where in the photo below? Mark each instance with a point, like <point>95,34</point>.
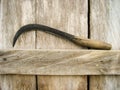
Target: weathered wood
<point>17,82</point>
<point>69,16</point>
<point>65,15</point>
<point>105,25</point>
<point>105,82</point>
<point>57,62</point>
<point>16,13</point>
<point>0,23</point>
<point>52,82</point>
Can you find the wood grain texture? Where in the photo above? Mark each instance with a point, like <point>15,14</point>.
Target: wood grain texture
<point>16,13</point>
<point>65,15</point>
<point>69,16</point>
<point>104,21</point>
<point>17,82</point>
<point>0,23</point>
<point>51,83</point>
<point>104,83</point>
<point>56,62</point>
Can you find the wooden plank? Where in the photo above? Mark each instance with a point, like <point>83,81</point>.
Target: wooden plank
<point>60,62</point>
<point>105,82</point>
<point>0,23</point>
<point>69,16</point>
<point>104,21</point>
<point>16,13</point>
<point>65,15</point>
<point>44,82</point>
<point>17,82</point>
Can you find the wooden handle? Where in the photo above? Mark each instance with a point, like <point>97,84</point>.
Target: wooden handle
<point>95,44</point>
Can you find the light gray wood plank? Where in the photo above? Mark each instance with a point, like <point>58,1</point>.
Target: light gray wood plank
<point>17,14</point>
<point>105,24</point>
<point>60,62</point>
<point>69,16</point>
<point>105,82</point>
<point>65,15</point>
<point>14,14</point>
<point>0,23</point>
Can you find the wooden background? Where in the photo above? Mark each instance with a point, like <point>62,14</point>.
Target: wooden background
<point>95,19</point>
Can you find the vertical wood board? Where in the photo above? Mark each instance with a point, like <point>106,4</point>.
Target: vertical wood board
<point>62,83</point>
<point>65,15</point>
<point>14,14</point>
<point>69,16</point>
<point>104,25</point>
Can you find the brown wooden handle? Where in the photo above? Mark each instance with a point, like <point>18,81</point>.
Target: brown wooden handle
<point>95,44</point>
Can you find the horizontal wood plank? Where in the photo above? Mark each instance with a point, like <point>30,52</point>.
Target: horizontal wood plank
<point>60,62</point>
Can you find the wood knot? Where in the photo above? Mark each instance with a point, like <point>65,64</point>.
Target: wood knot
<point>4,59</point>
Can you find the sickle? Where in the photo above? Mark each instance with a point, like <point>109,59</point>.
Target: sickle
<point>95,44</point>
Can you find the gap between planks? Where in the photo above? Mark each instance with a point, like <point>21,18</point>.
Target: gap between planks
<point>60,62</point>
